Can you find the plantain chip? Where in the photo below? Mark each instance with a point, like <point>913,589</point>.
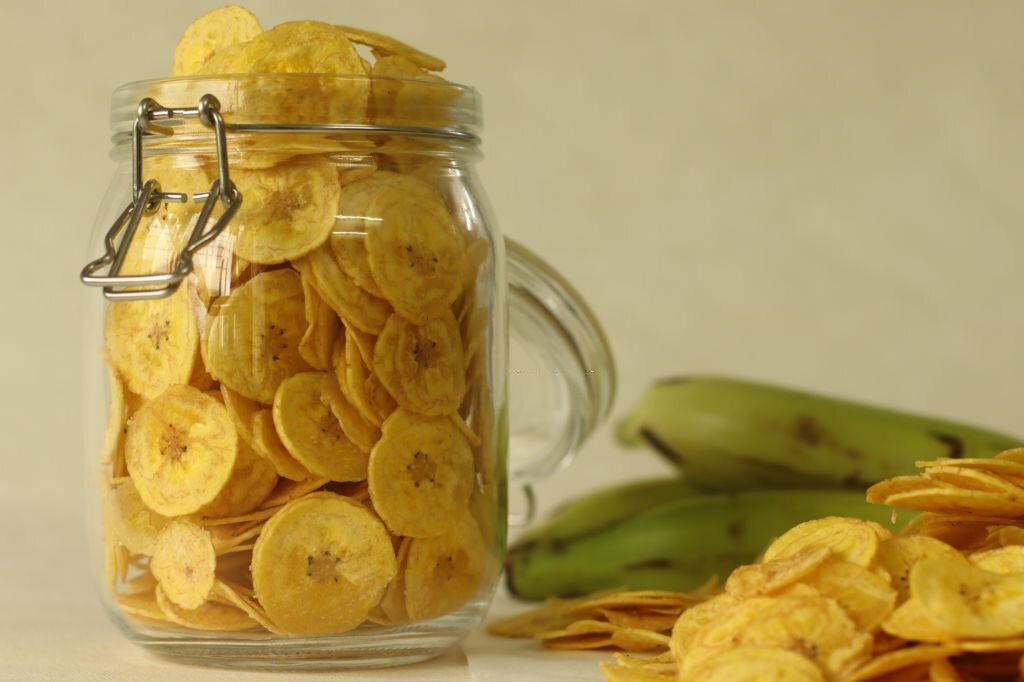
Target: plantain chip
<point>422,366</point>
<point>445,571</point>
<point>184,563</point>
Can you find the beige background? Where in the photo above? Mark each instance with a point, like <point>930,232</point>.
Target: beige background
<point>823,194</point>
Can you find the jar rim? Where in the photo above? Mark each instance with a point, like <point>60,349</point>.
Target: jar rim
<point>311,99</point>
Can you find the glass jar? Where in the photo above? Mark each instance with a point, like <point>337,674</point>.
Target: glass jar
<point>297,390</point>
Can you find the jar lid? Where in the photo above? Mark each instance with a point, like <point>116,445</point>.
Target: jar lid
<point>310,102</point>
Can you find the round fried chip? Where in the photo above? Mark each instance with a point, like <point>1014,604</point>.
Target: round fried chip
<point>420,474</point>
<point>898,555</point>
<point>753,664</point>
<point>321,563</point>
<point>854,540</point>
<point>184,563</point>
<point>288,210</point>
<point>386,45</point>
<point>252,341</point>
<point>352,303</point>
<point>311,432</point>
<point>693,621</point>
<point>243,412</point>
<point>361,432</point>
<point>422,366</point>
<point>132,523</point>
<point>416,253</point>
<point>1003,560</point>
<point>968,601</point>
<point>324,326</point>
<point>442,573</point>
<point>866,596</point>
<point>152,343</point>
<point>252,479</point>
<point>350,250</point>
<point>210,616</point>
<point>770,576</point>
<point>180,450</point>
<point>808,624</point>
<point>948,500</point>
<point>267,443</point>
<point>213,31</point>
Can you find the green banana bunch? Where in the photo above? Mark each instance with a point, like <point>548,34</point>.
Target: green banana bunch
<point>661,534</point>
<point>727,434</point>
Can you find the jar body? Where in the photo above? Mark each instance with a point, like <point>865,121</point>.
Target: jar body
<point>298,459</point>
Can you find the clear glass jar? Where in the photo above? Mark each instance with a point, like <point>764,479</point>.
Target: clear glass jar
<point>297,395</point>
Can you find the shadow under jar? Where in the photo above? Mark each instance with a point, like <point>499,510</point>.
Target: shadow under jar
<point>296,382</point>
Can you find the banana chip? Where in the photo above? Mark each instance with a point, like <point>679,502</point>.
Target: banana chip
<point>386,45</point>
<point>324,326</point>
<point>445,571</point>
<point>252,342</point>
<point>420,474</point>
<point>243,412</point>
<point>268,444</point>
<point>210,616</point>
<point>361,432</point>
<point>152,343</point>
<point>854,540</point>
<point>311,432</point>
<point>134,525</point>
<point>211,32</point>
<point>352,303</point>
<point>771,576</point>
<point>866,596</point>
<point>141,607</point>
<point>898,555</point>
<point>416,253</point>
<point>753,664</point>
<point>321,563</point>
<point>288,211</point>
<point>350,250</point>
<point>391,609</point>
<point>968,601</point>
<point>180,450</point>
<point>184,563</point>
<point>422,366</point>
<point>1004,560</point>
<point>251,481</point>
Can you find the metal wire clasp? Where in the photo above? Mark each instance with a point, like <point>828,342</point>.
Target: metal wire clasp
<point>147,195</point>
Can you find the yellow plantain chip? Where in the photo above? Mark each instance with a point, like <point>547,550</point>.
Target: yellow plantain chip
<point>1001,536</point>
<point>1003,560</point>
<point>141,607</point>
<point>311,432</point>
<point>324,326</point>
<point>180,450</point>
<point>754,664</point>
<point>132,523</point>
<point>286,491</point>
<point>350,250</point>
<point>969,601</point>
<point>912,623</point>
<point>420,474</point>
<point>1001,466</point>
<point>618,673</point>
<point>252,479</point>
<point>771,576</point>
<point>386,45</point>
<point>900,659</point>
<point>321,563</point>
<point>960,501</point>
<point>553,614</point>
<point>362,388</point>
<point>866,596</point>
<point>883,490</point>
<point>959,532</point>
<point>213,31</point>
<point>361,432</point>
<point>184,562</point>
<point>391,609</point>
<point>811,625</point>
<point>595,634</point>
<point>653,620</point>
<point>252,342</point>
<point>364,343</point>
<point>288,209</point>
<point>152,343</point>
<point>693,620</point>
<point>899,554</point>
<point>416,253</point>
<point>972,479</point>
<point>210,616</point>
<point>267,443</point>
<point>354,304</point>
<point>400,87</point>
<point>445,571</point>
<point>422,366</point>
<point>243,412</point>
<point>238,597</point>
<point>854,540</point>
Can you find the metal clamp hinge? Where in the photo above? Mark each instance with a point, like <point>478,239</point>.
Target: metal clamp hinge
<point>147,195</point>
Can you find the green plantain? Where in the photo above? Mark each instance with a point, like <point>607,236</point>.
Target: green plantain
<point>727,434</point>
<point>658,535</point>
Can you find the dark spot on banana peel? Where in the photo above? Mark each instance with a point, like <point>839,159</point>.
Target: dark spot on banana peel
<point>952,443</point>
<point>808,430</point>
<point>661,447</point>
